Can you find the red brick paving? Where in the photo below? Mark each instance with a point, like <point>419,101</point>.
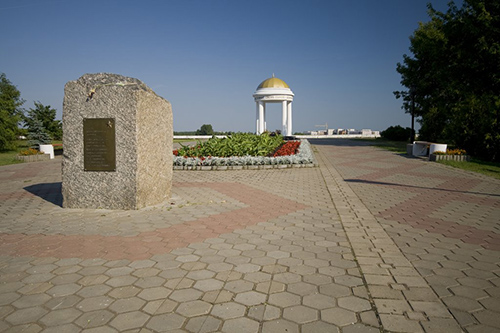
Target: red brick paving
<point>261,206</point>
<point>417,211</point>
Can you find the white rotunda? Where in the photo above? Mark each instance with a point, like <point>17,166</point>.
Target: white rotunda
<point>274,90</point>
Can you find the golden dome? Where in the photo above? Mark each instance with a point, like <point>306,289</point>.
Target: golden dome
<point>273,82</point>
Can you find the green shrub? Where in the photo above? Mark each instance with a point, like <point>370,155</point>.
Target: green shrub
<point>396,133</point>
<point>239,144</point>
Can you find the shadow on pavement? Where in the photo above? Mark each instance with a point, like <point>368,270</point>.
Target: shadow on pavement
<point>413,186</point>
<point>339,142</point>
<point>51,192</point>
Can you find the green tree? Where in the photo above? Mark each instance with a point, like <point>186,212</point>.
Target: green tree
<point>46,115</point>
<point>205,129</point>
<point>38,135</point>
<point>10,112</point>
<point>452,77</point>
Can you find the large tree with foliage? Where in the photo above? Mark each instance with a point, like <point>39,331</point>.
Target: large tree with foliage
<point>47,116</point>
<point>10,112</point>
<point>205,129</point>
<point>452,77</point>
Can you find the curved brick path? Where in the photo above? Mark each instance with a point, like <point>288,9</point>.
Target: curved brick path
<point>368,241</point>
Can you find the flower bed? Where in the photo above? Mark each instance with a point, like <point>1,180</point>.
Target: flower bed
<point>303,157</point>
<point>459,155</point>
<point>440,157</point>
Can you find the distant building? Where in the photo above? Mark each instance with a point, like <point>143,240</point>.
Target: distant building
<point>341,132</point>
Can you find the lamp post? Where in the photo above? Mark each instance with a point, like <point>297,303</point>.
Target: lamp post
<point>412,111</point>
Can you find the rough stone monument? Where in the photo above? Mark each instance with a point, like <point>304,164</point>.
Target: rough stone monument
<point>117,137</point>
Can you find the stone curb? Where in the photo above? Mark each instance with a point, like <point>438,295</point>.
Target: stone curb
<point>242,167</point>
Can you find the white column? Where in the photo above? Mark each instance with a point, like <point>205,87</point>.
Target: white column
<point>261,117</point>
<point>265,122</point>
<point>289,119</point>
<point>257,117</point>
<point>283,118</point>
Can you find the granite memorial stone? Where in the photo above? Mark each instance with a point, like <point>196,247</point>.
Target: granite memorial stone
<point>117,138</point>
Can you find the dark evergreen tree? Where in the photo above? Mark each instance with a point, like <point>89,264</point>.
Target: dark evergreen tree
<point>38,135</point>
<point>47,116</point>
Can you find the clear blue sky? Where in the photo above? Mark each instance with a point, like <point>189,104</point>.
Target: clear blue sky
<point>207,57</point>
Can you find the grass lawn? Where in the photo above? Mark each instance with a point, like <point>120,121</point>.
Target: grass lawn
<point>491,169</point>
<point>9,157</point>
<point>398,147</point>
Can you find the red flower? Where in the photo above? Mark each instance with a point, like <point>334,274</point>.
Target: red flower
<point>288,148</point>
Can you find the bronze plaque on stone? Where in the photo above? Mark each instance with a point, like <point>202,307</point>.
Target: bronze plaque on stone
<point>99,149</point>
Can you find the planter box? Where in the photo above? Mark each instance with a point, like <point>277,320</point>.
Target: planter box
<point>458,158</point>
<point>34,158</point>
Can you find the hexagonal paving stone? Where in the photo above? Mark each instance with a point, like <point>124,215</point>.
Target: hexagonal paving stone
<point>334,290</point>
<point>118,271</point>
<point>151,294</point>
<point>63,302</point>
<point>317,279</point>
<point>127,304</point>
<point>31,300</point>
<point>124,292</point>
<point>227,276</point>
<point>220,267</point>
<point>150,281</point>
<point>284,299</point>
<point>121,281</point>
<point>194,308</point>
<point>247,268</point>
<point>300,314</point>
<point>348,280</point>
<point>319,301</point>
<point>302,288</point>
<point>93,279</point>
<point>185,295</point>
<point>218,296</point>
<point>338,316</point>
<point>228,310</point>
<point>25,316</point>
<point>257,277</point>
<point>240,325</point>
<point>238,286</point>
<point>96,290</point>
<point>287,278</point>
<point>201,274</point>
<point>187,258</point>
<point>64,290</point>
<point>59,317</point>
<point>354,303</point>
<point>203,324</point>
<point>270,287</point>
<point>278,254</point>
<point>280,326</point>
<point>208,284</point>
<point>264,312</point>
<point>94,303</point>
<point>320,327</point>
<point>250,298</point>
<point>161,322</point>
<point>94,319</point>
<point>129,320</point>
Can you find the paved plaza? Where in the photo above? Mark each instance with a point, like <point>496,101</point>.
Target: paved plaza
<point>369,241</point>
